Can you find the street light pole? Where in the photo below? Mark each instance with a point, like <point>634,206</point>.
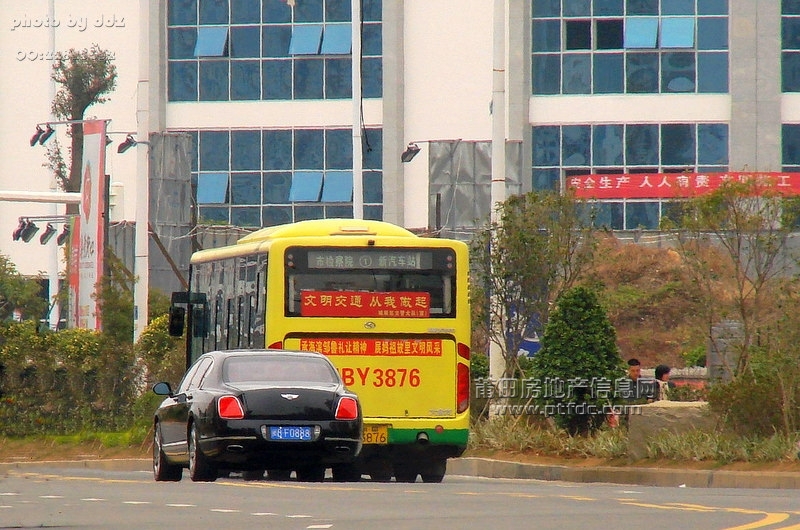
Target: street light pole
<point>498,189</point>
<point>141,262</point>
<point>358,170</point>
<point>52,270</point>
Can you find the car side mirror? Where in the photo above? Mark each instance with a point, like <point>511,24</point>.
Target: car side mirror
<point>162,389</point>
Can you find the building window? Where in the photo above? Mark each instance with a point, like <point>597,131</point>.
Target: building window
<point>255,178</point>
<point>790,46</point>
<point>559,152</point>
<point>627,46</point>
<point>238,50</point>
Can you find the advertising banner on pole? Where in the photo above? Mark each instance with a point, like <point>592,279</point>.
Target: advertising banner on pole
<point>89,237</point>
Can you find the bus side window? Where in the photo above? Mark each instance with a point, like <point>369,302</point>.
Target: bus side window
<point>200,321</point>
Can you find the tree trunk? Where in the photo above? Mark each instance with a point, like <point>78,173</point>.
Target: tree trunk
<point>75,177</point>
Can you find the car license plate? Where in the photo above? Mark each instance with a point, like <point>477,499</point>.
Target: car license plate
<point>290,434</point>
<point>375,434</point>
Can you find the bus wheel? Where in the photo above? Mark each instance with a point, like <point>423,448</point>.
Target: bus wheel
<point>405,473</point>
<point>434,472</point>
<point>380,470</point>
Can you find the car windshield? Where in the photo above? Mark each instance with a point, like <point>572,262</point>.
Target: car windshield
<point>276,369</point>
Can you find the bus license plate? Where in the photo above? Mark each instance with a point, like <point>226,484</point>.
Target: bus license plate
<point>290,434</point>
<point>375,434</point>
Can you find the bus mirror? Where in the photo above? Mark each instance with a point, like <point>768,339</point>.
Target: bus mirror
<point>176,316</point>
<point>200,318</point>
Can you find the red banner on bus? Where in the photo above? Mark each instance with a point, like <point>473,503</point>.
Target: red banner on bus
<point>675,185</point>
<point>377,347</point>
<point>361,304</point>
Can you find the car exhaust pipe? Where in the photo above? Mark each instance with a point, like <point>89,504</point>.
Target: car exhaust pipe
<point>422,438</point>
<point>342,449</point>
<point>235,449</point>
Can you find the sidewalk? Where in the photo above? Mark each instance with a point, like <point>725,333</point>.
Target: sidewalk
<point>486,467</point>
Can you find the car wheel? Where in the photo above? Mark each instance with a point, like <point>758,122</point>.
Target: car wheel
<point>434,472</point>
<point>163,471</point>
<point>200,470</point>
<point>253,474</point>
<point>311,474</point>
<point>346,473</point>
<point>279,474</point>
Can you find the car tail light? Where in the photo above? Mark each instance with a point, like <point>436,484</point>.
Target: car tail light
<point>463,350</point>
<point>230,408</point>
<point>462,385</point>
<point>347,409</point>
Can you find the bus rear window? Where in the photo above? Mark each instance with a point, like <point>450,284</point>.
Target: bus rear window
<point>404,292</point>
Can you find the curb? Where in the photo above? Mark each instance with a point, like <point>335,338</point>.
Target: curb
<point>488,468</point>
<point>484,467</point>
<point>111,464</point>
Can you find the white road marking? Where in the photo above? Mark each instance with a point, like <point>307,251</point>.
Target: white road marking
<point>8,494</point>
<point>319,526</point>
<point>263,513</point>
<point>92,499</point>
<point>298,516</point>
<point>181,505</point>
<point>51,496</point>
<point>135,502</point>
<point>223,510</point>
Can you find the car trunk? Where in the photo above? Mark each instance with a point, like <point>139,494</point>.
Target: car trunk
<point>290,403</point>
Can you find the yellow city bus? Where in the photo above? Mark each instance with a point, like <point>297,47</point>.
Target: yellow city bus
<point>390,309</point>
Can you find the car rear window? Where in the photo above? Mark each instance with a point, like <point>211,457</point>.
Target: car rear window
<point>277,369</point>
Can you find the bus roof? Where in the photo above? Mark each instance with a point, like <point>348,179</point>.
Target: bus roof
<point>327,227</point>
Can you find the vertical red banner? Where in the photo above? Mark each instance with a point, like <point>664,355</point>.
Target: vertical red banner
<point>90,234</point>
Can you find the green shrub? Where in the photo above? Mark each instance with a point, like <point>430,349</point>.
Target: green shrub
<point>164,356</point>
<point>578,349</point>
<point>63,382</point>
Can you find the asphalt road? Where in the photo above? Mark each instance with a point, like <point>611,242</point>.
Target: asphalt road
<point>36,496</point>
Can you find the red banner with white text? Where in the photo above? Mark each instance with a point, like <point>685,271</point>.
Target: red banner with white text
<point>675,185</point>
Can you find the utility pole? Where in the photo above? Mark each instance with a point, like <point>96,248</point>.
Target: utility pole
<point>498,189</point>
<point>358,170</point>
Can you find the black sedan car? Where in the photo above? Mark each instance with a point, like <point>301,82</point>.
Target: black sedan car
<point>254,411</point>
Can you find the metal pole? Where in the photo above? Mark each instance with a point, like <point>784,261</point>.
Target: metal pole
<point>55,310</point>
<point>141,261</point>
<point>358,170</point>
<point>498,189</point>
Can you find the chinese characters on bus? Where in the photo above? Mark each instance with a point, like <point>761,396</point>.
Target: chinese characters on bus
<point>379,347</point>
<point>362,304</point>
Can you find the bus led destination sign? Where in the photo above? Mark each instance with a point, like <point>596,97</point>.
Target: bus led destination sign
<point>340,258</point>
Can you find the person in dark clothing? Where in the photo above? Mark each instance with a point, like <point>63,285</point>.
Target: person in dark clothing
<point>663,383</point>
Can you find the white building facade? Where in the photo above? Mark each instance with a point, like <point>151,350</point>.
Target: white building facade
<point>265,89</point>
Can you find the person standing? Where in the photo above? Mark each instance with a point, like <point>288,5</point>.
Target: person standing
<point>663,382</point>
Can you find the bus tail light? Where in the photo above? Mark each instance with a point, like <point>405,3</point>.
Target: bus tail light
<point>347,409</point>
<point>462,385</point>
<point>230,408</point>
<point>463,350</point>
<point>276,345</point>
